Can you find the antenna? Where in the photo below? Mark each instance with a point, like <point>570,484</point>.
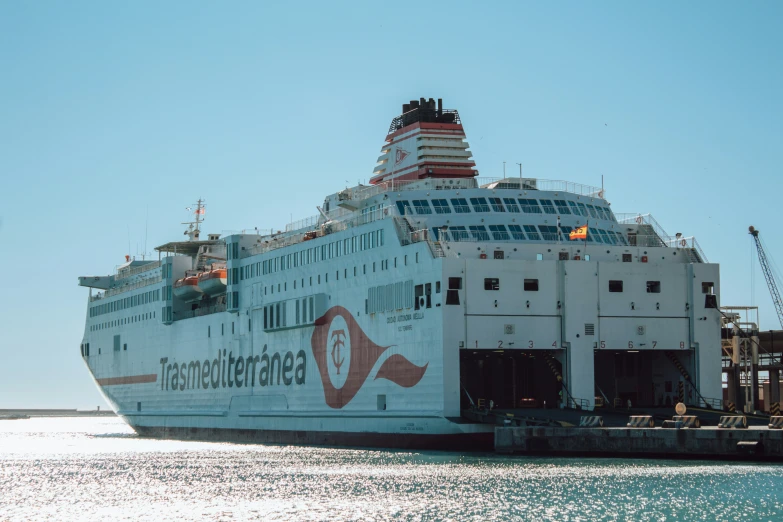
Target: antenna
<point>146,222</point>
<point>193,230</point>
<point>520,176</point>
<point>504,170</point>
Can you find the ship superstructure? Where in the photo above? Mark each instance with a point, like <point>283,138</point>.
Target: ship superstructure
<point>404,306</point>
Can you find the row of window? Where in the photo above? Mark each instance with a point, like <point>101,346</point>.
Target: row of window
<point>125,303</point>
<point>524,233</point>
<point>125,320</point>
<point>513,205</point>
<point>345,273</point>
<point>276,315</point>
<point>387,298</point>
<point>307,256</point>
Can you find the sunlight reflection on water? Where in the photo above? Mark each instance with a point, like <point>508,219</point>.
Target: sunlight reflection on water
<point>97,469</point>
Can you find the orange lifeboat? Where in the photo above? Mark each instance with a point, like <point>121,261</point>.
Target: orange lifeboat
<point>187,288</point>
<point>213,282</point>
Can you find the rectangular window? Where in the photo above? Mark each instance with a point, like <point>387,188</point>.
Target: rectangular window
<point>530,285</point>
<point>479,232</point>
<point>627,258</point>
<point>458,234</point>
<point>422,206</point>
<point>437,287</point>
<point>277,315</point>
<point>548,232</point>
<point>404,207</point>
<point>562,206</point>
<point>653,287</point>
<point>499,232</point>
<point>491,283</point>
<point>530,206</point>
<point>615,286</point>
<point>479,204</point>
<point>548,206</point>
<point>460,205</point>
<point>266,322</point>
<point>516,232</point>
<point>497,205</point>
<point>441,206</point>
<point>532,233</point>
<point>455,283</point>
<point>511,205</point>
<point>708,288</point>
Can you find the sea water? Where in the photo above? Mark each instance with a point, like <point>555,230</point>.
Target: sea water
<point>97,469</point>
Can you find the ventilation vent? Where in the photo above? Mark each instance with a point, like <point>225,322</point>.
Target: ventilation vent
<point>589,329</point>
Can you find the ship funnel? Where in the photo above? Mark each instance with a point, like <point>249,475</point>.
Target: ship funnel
<point>425,141</point>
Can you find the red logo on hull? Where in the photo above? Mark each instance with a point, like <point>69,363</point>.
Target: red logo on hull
<point>400,156</point>
<point>360,356</point>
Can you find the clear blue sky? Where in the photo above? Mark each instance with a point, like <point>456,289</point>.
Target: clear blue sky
<point>110,111</point>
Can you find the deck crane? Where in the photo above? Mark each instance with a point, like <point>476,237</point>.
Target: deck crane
<point>768,274</point>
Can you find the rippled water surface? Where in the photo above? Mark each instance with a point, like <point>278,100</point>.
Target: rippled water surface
<point>97,469</point>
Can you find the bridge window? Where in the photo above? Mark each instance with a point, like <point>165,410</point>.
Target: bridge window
<point>621,238</point>
<point>479,204</point>
<point>422,206</point>
<point>516,232</point>
<point>653,287</point>
<point>548,207</point>
<point>562,206</point>
<point>615,286</point>
<point>497,205</point>
<point>491,283</point>
<point>530,206</point>
<point>574,208</point>
<point>460,205</point>
<point>548,232</point>
<point>600,211</point>
<point>458,234</point>
<point>530,285</point>
<point>532,233</point>
<point>479,232</point>
<point>594,235</point>
<point>404,207</point>
<point>441,206</point>
<point>499,232</point>
<point>592,211</point>
<point>511,205</point>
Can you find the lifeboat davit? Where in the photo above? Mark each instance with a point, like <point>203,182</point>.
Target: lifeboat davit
<point>187,288</point>
<point>213,282</point>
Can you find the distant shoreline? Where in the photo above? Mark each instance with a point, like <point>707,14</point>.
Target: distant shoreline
<point>15,414</point>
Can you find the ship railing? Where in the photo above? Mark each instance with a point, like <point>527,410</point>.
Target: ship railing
<point>577,404</point>
<point>124,273</point>
<point>548,185</point>
<point>714,404</point>
<point>686,243</point>
<point>511,183</point>
<point>127,288</point>
<point>273,243</point>
<point>641,219</point>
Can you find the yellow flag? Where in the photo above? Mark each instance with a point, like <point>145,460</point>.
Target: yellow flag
<point>578,233</point>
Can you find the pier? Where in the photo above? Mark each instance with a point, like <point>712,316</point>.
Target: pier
<point>754,443</point>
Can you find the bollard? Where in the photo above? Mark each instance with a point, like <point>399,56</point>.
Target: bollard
<point>591,421</point>
<point>733,421</point>
<point>641,421</point>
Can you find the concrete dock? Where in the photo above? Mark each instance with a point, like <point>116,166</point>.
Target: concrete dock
<point>753,443</point>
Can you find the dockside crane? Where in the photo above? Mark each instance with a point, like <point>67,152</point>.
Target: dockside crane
<point>768,274</point>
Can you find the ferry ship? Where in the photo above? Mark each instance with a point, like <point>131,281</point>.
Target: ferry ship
<point>407,310</point>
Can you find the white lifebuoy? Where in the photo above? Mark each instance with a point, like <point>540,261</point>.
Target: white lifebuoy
<point>601,194</point>
<point>639,219</point>
<point>684,243</point>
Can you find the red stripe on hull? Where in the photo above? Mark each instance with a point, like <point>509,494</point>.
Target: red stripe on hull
<point>129,379</point>
<point>451,442</point>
